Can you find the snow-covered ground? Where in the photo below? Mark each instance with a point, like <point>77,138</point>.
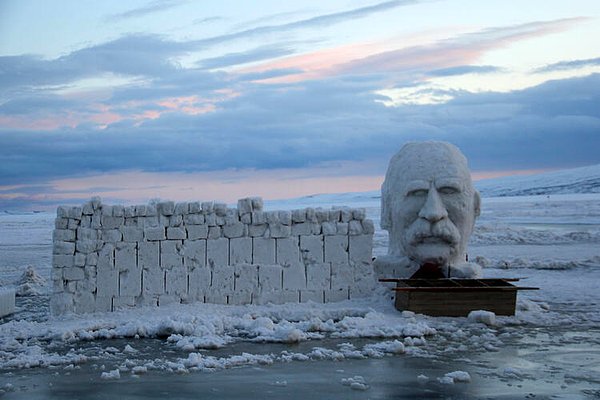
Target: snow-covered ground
<point>354,349</point>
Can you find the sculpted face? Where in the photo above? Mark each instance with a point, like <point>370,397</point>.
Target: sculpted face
<point>429,204</point>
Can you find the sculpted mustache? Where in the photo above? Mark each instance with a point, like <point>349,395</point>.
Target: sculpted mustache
<point>444,230</point>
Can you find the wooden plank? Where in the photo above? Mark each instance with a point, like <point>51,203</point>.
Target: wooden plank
<point>463,288</point>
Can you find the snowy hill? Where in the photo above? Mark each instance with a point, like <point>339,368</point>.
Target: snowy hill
<point>568,181</point>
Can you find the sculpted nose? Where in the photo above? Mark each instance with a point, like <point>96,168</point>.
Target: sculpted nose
<point>433,210</point>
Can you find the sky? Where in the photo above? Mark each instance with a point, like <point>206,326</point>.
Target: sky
<point>191,100</point>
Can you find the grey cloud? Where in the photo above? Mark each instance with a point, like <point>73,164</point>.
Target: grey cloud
<point>150,8</point>
<point>257,54</point>
<point>465,69</point>
<point>567,65</point>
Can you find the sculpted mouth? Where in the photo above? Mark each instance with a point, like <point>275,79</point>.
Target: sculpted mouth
<point>432,240</point>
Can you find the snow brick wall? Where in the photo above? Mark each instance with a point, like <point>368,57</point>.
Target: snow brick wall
<point>110,257</point>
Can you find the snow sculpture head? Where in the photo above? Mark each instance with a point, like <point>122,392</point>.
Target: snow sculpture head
<point>428,204</point>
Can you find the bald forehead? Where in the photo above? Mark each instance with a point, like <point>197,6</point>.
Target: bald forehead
<point>428,161</point>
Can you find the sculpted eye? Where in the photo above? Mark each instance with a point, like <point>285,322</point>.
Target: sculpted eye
<point>417,193</point>
<point>448,190</point>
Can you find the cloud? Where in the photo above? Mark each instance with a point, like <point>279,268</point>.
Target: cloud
<point>150,8</point>
<point>256,54</point>
<point>464,70</point>
<point>567,65</point>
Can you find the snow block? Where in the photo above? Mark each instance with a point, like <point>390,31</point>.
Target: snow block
<point>157,233</point>
<point>288,252</point>
<point>294,276</point>
<point>125,256</point>
<point>148,255</point>
<point>270,277</point>
<point>318,276</point>
<point>342,276</point>
<point>336,249</point>
<point>197,231</point>
<point>199,283</point>
<point>360,248</point>
<point>176,281</point>
<point>263,250</point>
<point>312,249</point>
<point>240,251</point>
<point>153,282</point>
<point>194,253</point>
<point>174,233</point>
<point>223,279</point>
<point>7,301</point>
<point>316,296</point>
<point>217,252</point>
<point>246,277</point>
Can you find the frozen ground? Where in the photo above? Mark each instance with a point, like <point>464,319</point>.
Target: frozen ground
<point>355,349</point>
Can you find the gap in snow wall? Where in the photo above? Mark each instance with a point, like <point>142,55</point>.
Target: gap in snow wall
<point>107,258</point>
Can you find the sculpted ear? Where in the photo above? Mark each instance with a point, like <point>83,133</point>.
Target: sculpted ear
<point>477,204</point>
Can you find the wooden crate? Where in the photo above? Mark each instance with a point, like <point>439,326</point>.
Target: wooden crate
<point>456,297</point>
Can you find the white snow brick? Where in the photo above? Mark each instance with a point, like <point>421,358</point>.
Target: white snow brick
<point>214,232</point>
<point>210,219</point>
<point>342,228</point>
<point>316,228</point>
<point>60,247</point>
<point>329,228</point>
<point>107,278</point>
<point>257,203</point>
<point>106,210</point>
<point>74,212</point>
<point>304,228</point>
<point>181,208</point>
<point>61,303</point>
<point>157,233</point>
<point>285,217</point>
<point>240,251</point>
<point>214,297</point>
<point>199,283</point>
<point>275,297</point>
<point>62,261</point>
<point>244,206</point>
<point>62,212</point>
<point>360,249</point>
<point>176,281</point>
<point>257,230</point>
<point>318,276</point>
<point>231,217</point>
<point>365,281</point>
<point>246,219</point>
<point>125,256</point>
<point>223,277</point>
<point>61,223</point>
<point>234,230</point>
<point>170,254</point>
<point>118,211</point>
<point>288,252</point>
<point>109,222</point>
<point>346,214</point>
<point>143,301</point>
<point>239,297</point>
<point>335,215</point>
<point>129,212</point>
<point>91,259</point>
<point>197,231</point>
<point>79,259</point>
<point>194,253</point>
<point>342,276</point>
<point>270,277</point>
<point>175,220</point>
<point>322,215</point>
<point>103,304</point>
<point>359,214</point>
<point>111,235</point>
<point>87,234</point>
<point>263,251</point>
<point>153,282</point>
<point>207,207</point>
<point>166,208</point>
<point>96,221</point>
<point>132,234</point>
<point>84,302</point>
<point>316,296</point>
<point>130,282</point>
<point>279,230</point>
<point>312,249</point>
<point>259,217</point>
<point>73,224</point>
<point>335,295</point>
<point>336,249</point>
<point>87,208</point>
<point>217,252</point>
<point>151,210</point>
<point>246,277</point>
<point>123,302</point>
<point>89,246</point>
<point>220,209</point>
<point>166,299</point>
<point>194,207</point>
<point>355,228</point>
<point>298,216</point>
<point>194,219</point>
<point>368,227</point>
<point>65,235</point>
<point>294,276</point>
<point>73,274</point>
<point>176,233</point>
<point>148,255</point>
<point>272,217</point>
<point>140,210</point>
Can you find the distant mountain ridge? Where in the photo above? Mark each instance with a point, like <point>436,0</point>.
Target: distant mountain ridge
<point>568,181</point>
